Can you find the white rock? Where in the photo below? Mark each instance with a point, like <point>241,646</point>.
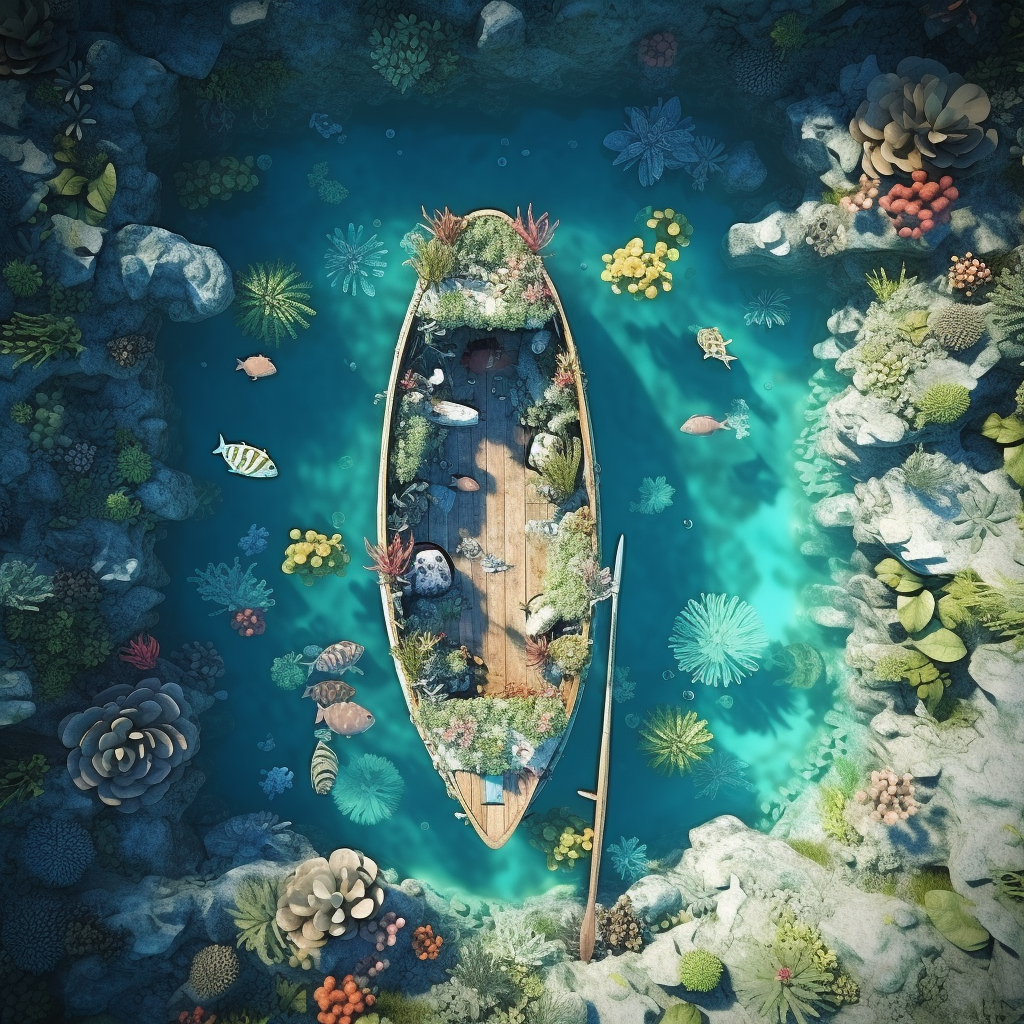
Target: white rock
<point>501,26</point>
<point>25,155</point>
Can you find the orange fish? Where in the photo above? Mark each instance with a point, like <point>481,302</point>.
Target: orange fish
<point>701,426</point>
<point>344,719</point>
<point>256,366</point>
<point>463,483</point>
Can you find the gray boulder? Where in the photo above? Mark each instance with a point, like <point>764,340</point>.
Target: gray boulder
<point>72,250</point>
<point>149,264</point>
<point>743,170</point>
<point>15,689</point>
<point>168,493</point>
<point>25,155</point>
<point>501,25</point>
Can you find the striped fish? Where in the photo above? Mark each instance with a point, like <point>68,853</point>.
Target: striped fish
<point>245,460</point>
<point>323,769</point>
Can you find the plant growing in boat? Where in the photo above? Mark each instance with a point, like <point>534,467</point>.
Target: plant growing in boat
<point>391,561</point>
<point>560,470</point>
<point>432,259</point>
<point>537,234</point>
<point>417,440</point>
<point>537,653</point>
<point>444,225</point>
<point>570,653</point>
<point>564,587</point>
<point>413,652</point>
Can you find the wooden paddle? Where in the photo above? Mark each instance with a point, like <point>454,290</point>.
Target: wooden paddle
<point>588,929</point>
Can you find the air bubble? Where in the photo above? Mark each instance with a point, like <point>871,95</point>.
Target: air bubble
<point>768,385</point>
<point>668,674</point>
<point>687,695</point>
<point>390,133</point>
<point>424,825</point>
<point>504,142</point>
<point>573,143</point>
<point>526,152</point>
<point>632,720</point>
<point>352,366</point>
<point>502,161</point>
<point>376,222</point>
<point>203,365</point>
<point>583,266</point>
<point>346,462</point>
<point>687,524</point>
<point>338,520</point>
<point>263,162</point>
<point>398,153</point>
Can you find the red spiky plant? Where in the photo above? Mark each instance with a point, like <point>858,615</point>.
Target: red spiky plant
<point>141,652</point>
<point>390,562</point>
<point>536,652</point>
<point>445,227</point>
<point>535,233</point>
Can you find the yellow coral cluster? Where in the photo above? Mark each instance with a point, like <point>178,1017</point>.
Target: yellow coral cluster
<point>312,555</point>
<point>671,227</point>
<point>643,269</point>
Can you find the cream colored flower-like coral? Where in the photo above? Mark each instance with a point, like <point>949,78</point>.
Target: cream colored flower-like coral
<point>327,897</point>
<point>922,118</point>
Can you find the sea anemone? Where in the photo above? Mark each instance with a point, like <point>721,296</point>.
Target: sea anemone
<point>674,741</point>
<point>718,639</point>
<point>368,789</point>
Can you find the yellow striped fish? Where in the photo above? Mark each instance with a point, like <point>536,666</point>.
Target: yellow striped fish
<point>245,460</point>
<point>324,769</point>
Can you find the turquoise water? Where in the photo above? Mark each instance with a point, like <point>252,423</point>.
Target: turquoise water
<point>646,376</point>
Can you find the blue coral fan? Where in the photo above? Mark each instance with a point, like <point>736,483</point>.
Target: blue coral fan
<point>629,858</point>
<point>244,837</point>
<point>768,308</point>
<point>255,541</point>
<point>229,587</point>
<point>355,261</point>
<point>655,496</point>
<point>57,851</point>
<point>721,769</point>
<point>656,138</point>
<point>277,781</point>
<point>368,789</point>
<point>710,157</point>
<point>718,639</point>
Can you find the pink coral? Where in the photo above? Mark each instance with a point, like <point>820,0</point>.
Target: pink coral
<point>658,50</point>
<point>141,652</point>
<point>892,797</point>
<point>249,622</point>
<point>864,197</point>
<point>916,208</point>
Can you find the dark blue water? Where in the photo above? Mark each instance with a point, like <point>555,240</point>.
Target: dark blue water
<point>646,376</point>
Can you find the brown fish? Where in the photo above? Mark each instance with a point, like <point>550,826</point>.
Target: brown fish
<point>340,657</point>
<point>256,366</point>
<point>703,425</point>
<point>345,719</point>
<point>330,691</point>
<point>461,482</point>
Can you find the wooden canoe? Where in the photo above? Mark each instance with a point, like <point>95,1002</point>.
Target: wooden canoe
<point>493,616</point>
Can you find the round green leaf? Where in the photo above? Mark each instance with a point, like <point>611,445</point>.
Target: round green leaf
<point>681,1013</point>
<point>940,644</point>
<point>915,612</point>
<point>895,574</point>
<point>1004,429</point>
<point>948,912</point>
<point>1013,463</point>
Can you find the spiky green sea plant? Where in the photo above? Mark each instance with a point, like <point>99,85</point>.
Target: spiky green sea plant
<point>561,469</point>
<point>884,286</point>
<point>942,404</point>
<point>774,982</point>
<point>271,301</point>
<point>674,741</point>
<point>433,260</point>
<point>21,588</point>
<point>23,278</point>
<point>368,789</point>
<point>134,464</point>
<point>699,970</point>
<point>254,914</point>
<point>38,338</point>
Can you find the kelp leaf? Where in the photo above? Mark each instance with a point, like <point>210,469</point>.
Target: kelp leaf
<point>931,693</point>
<point>67,183</point>
<point>896,575</point>
<point>1003,429</point>
<point>1013,463</point>
<point>102,189</point>
<point>915,325</point>
<point>948,912</point>
<point>915,612</point>
<point>940,644</point>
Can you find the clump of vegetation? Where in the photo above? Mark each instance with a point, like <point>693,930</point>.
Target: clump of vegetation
<point>929,473</point>
<point>34,339</point>
<point>22,412</point>
<point>134,464</point>
<point>272,301</point>
<point>254,914</point>
<point>565,838</point>
<point>200,182</point>
<point>1008,302</point>
<point>22,780</point>
<point>699,970</point>
<point>413,653</point>
<point>942,404</point>
<point>674,741</point>
<point>818,852</point>
<point>570,556</point>
<point>432,259</point>
<point>287,671</point>
<point>570,653</point>
<point>23,278</point>
<point>411,52</point>
<point>886,287</point>
<point>560,470</point>
<point>998,607</point>
<point>312,555</point>
<point>120,508</point>
<point>417,441</point>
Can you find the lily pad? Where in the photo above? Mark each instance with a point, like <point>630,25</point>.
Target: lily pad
<point>948,912</point>
<point>940,644</point>
<point>1004,429</point>
<point>915,612</point>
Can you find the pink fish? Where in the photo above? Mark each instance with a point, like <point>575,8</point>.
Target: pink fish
<point>461,482</point>
<point>256,366</point>
<point>345,719</point>
<point>701,426</point>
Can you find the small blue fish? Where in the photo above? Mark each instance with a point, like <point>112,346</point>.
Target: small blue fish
<point>245,460</point>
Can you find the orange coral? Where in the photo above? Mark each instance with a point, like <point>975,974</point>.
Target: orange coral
<point>197,1016</point>
<point>341,1004</point>
<point>425,944</point>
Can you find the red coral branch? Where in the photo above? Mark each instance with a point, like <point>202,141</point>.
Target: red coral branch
<point>444,226</point>
<point>535,233</point>
<point>141,652</point>
<point>390,562</point>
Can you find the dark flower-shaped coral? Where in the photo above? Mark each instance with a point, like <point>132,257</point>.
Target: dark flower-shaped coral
<point>656,138</point>
<point>132,744</point>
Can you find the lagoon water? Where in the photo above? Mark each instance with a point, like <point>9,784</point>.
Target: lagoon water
<point>318,419</point>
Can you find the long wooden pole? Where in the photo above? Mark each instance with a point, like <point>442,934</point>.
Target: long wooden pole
<point>588,929</point>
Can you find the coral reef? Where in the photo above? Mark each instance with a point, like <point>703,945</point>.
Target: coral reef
<point>255,541</point>
<point>629,858</point>
<point>325,897</point>
<point>922,118</point>
<point>271,301</point>
<point>276,781</point>
<point>699,970</point>
<point>865,196</point>
<point>231,588</point>
<point>214,970</point>
<point>344,1003</point>
<point>57,851</point>
<point>644,270</point>
<point>249,622</point>
<point>130,769</point>
<point>957,327</point>
<point>141,653</point>
<point>967,274</point>
<point>425,944</point>
<point>128,349</point>
<point>619,928</point>
<point>718,639</point>
<point>657,50</point>
<point>313,555</point>
<point>891,797</point>
<point>287,671</point>
<point>655,496</point>
<point>917,208</point>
